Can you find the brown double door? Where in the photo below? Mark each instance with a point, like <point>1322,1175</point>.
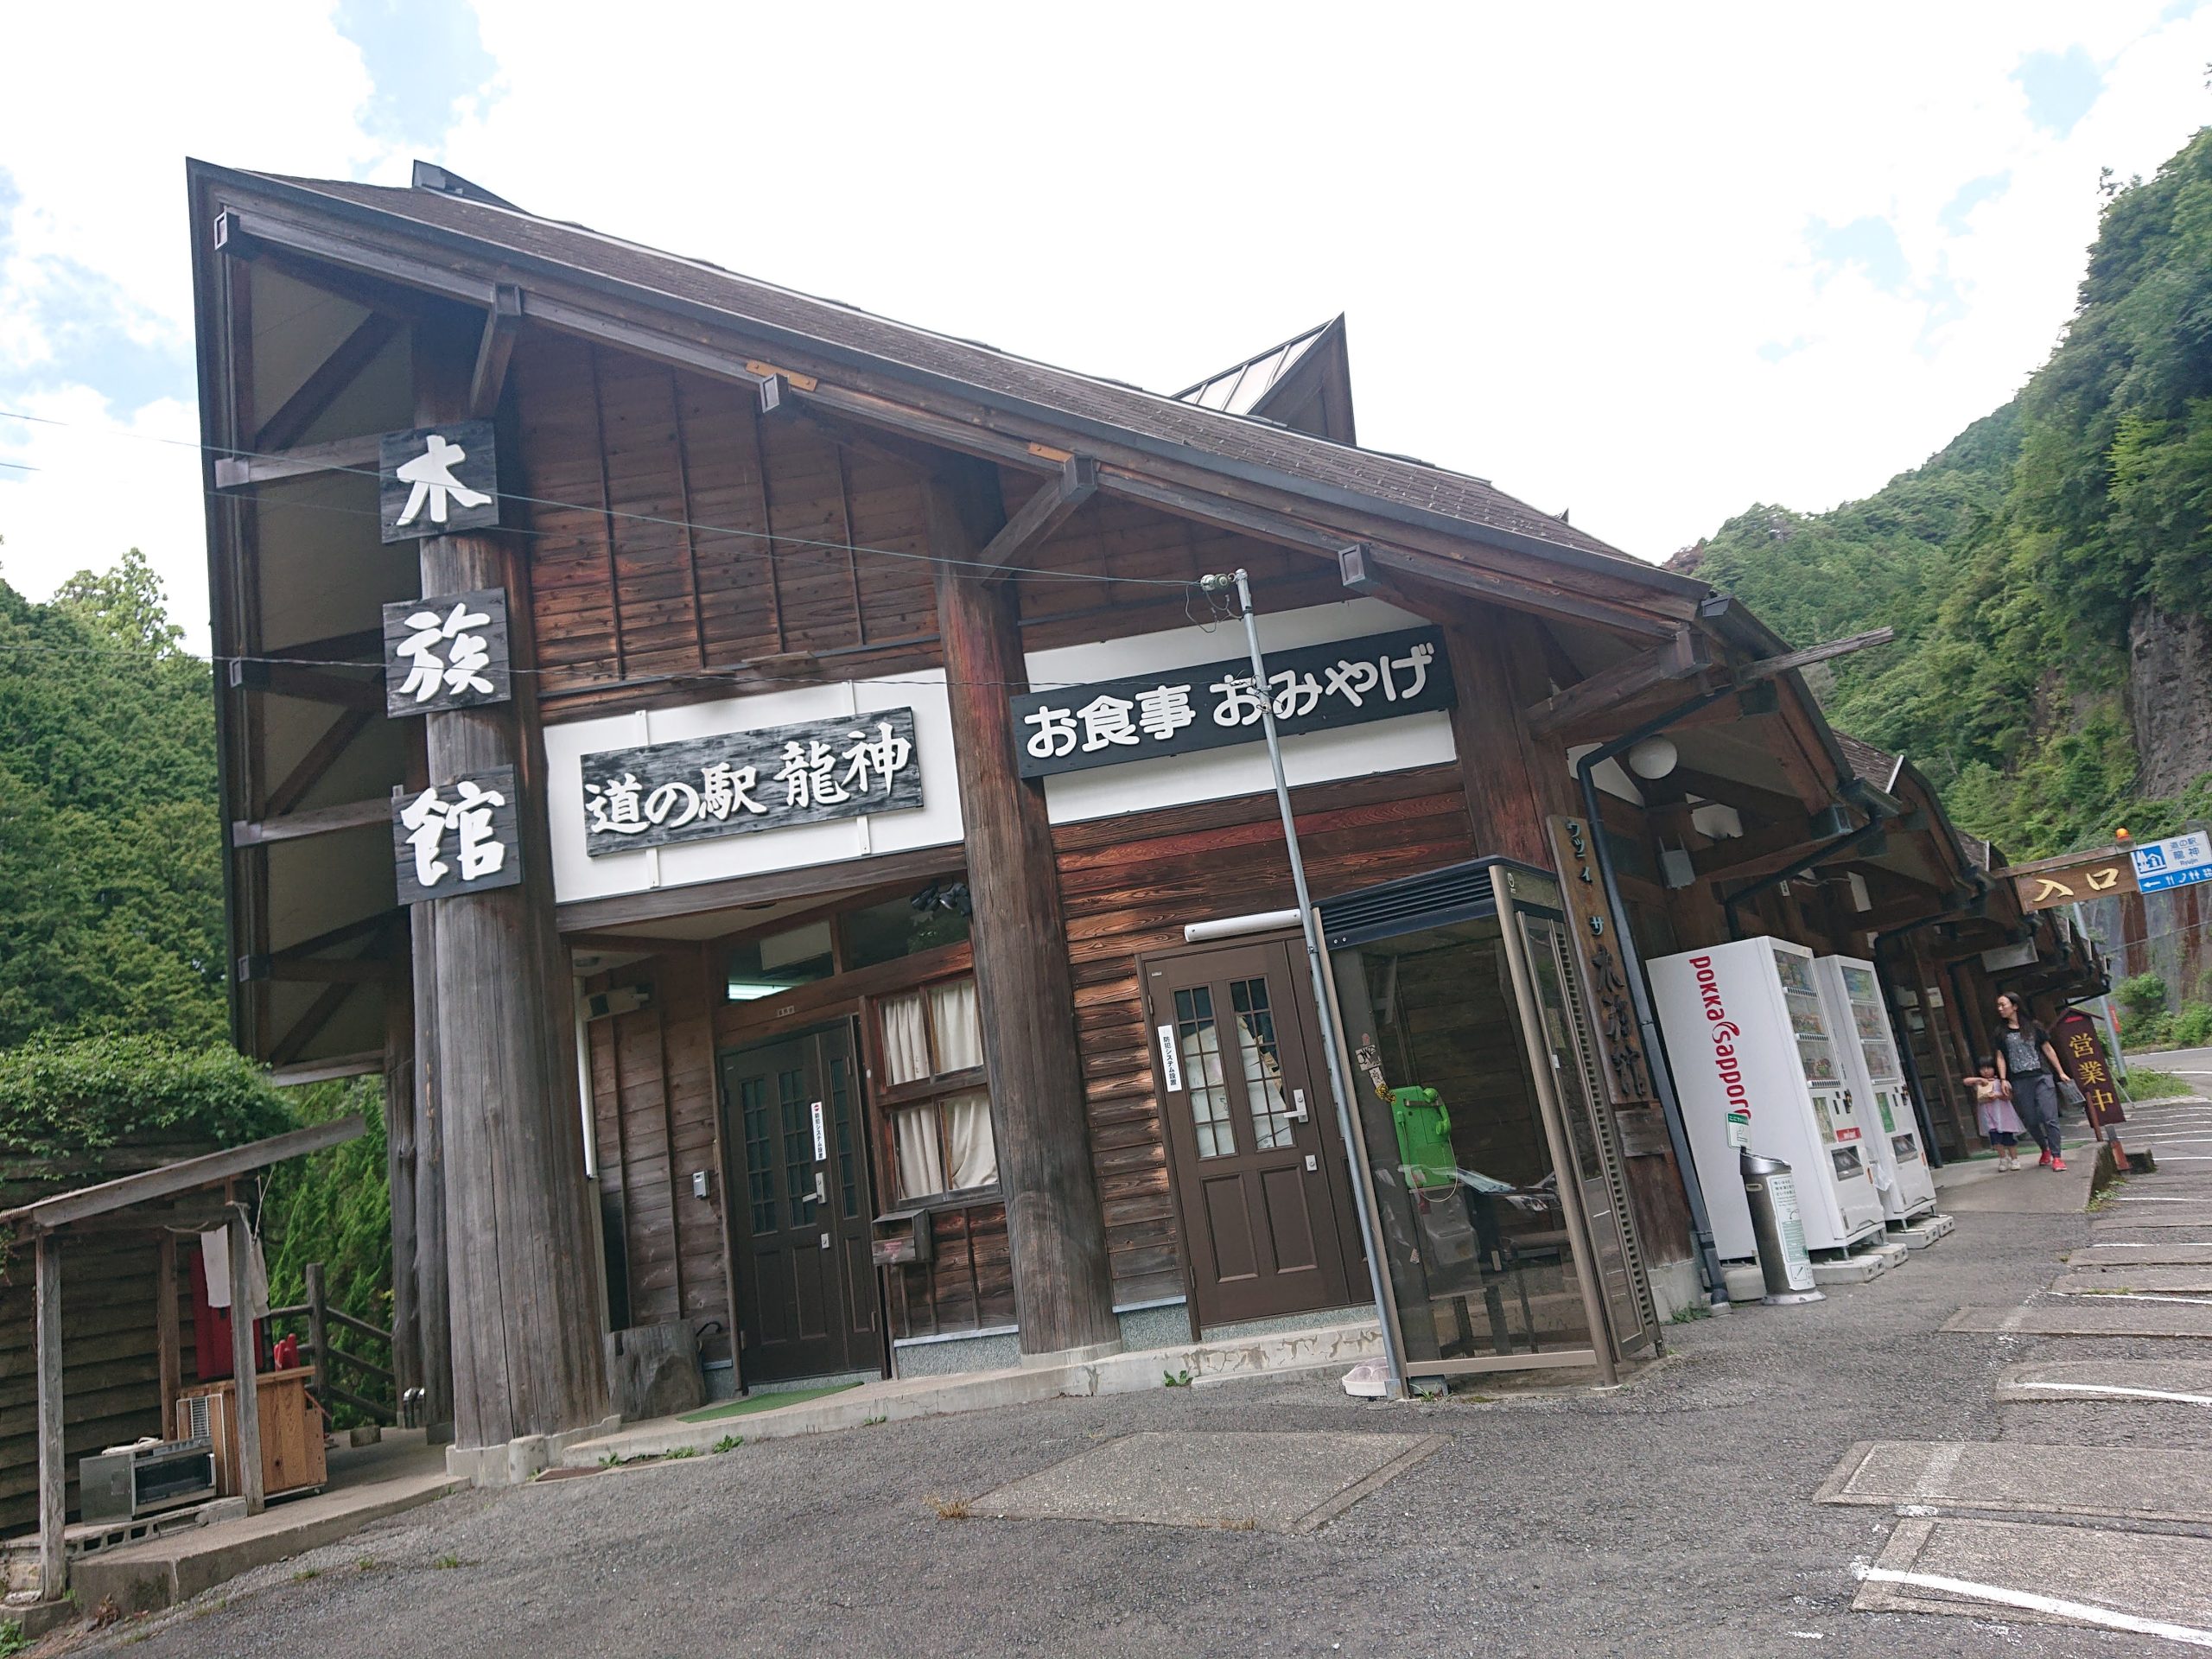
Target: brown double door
<point>1265,1213</point>
<point>800,1208</point>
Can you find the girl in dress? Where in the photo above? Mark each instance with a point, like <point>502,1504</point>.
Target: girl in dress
<point>2000,1124</point>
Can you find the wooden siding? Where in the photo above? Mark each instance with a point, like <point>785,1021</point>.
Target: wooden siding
<point>1130,884</point>
<point>672,530</point>
<point>654,1101</point>
<point>110,1383</point>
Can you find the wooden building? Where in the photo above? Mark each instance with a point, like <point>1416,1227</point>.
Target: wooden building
<point>890,824</point>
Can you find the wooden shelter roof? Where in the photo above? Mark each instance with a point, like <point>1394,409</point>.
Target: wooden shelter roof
<point>170,1180</point>
<point>1259,450</point>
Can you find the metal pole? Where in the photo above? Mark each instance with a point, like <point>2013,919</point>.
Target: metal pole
<point>1371,1231</point>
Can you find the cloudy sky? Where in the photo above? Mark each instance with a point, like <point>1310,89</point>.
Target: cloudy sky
<point>1650,265</point>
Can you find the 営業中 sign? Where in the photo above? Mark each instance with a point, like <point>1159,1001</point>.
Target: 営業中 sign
<point>1313,688</point>
<point>437,479</point>
<point>456,837</point>
<point>2177,862</point>
<point>740,782</point>
<point>445,652</point>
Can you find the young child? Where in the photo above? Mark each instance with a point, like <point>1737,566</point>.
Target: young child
<point>1994,1107</point>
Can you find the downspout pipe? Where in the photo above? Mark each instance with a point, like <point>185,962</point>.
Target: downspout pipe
<point>1639,993</point>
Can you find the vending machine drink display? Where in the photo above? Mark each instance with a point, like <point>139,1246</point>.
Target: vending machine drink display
<point>1869,1052</point>
<point>1755,1059</point>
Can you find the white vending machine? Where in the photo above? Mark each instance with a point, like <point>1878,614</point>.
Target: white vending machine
<point>1754,1059</point>
<point>1870,1064</point>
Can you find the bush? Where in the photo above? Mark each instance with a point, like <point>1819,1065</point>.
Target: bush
<point>2192,1026</point>
<point>2145,1030</point>
<point>2142,993</point>
<point>59,1099</point>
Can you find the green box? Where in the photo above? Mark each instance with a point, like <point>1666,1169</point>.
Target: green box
<point>1424,1136</point>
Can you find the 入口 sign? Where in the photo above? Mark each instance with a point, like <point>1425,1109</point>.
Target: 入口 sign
<point>738,783</point>
<point>1313,688</point>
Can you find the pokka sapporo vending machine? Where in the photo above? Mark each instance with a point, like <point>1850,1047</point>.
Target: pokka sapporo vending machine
<point>1869,1052</point>
<point>1754,1058</point>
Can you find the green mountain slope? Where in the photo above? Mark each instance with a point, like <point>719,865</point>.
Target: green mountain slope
<point>2039,566</point>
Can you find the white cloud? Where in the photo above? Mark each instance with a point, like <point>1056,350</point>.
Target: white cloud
<point>1563,239</point>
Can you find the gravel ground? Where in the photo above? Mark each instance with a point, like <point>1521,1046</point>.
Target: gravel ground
<point>1673,1516</point>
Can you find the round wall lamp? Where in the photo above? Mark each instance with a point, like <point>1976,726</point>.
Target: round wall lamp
<point>1652,758</point>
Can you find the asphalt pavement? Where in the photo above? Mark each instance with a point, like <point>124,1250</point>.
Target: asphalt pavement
<point>1675,1515</point>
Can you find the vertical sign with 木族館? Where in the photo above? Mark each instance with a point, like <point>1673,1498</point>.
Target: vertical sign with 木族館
<point>437,480</point>
<point>447,652</point>
<point>456,837</point>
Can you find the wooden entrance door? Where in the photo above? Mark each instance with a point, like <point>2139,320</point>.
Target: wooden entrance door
<point>799,1209</point>
<point>1250,1130</point>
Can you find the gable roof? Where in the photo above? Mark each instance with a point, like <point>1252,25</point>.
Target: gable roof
<point>1388,486</point>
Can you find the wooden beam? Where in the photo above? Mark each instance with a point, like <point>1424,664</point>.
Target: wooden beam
<point>628,909</point>
<point>1767,667</point>
<point>283,679</point>
<point>322,821</point>
<point>1056,1232</point>
<point>340,1065</point>
<point>321,755</point>
<point>319,970</point>
<point>320,1013</point>
<point>53,1462</point>
<point>319,943</point>
<point>188,1175</point>
<point>325,384</point>
<point>167,1340</point>
<point>359,454</point>
<point>779,400</point>
<point>1767,803</point>
<point>245,1363</point>
<point>1680,658</point>
<point>1038,518</point>
<point>1791,833</point>
<point>502,321</point>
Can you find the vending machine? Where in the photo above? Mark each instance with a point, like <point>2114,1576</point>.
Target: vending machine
<point>1754,1056</point>
<point>1870,1064</point>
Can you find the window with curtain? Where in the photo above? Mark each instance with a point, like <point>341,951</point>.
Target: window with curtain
<point>933,1095</point>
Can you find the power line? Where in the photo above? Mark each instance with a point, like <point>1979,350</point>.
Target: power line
<point>775,540</point>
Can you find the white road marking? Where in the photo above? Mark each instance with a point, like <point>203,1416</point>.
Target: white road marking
<point>2117,1388</point>
<point>2188,1635</point>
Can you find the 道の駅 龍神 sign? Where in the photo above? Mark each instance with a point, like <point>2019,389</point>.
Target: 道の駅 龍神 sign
<point>456,837</point>
<point>1315,687</point>
<point>2177,862</point>
<point>740,782</point>
<point>437,479</point>
<point>445,652</point>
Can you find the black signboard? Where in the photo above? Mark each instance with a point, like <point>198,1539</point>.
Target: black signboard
<point>741,782</point>
<point>1315,688</point>
<point>437,479</point>
<point>445,652</point>
<point>456,837</point>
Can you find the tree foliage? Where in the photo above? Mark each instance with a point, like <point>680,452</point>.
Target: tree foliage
<point>61,1098</point>
<point>2012,563</point>
<point>110,840</point>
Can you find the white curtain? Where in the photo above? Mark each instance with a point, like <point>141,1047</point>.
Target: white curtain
<point>959,1033</point>
<point>921,1164</point>
<point>906,1041</point>
<point>968,1127</point>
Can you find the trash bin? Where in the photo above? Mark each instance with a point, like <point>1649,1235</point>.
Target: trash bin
<point>1771,1190</point>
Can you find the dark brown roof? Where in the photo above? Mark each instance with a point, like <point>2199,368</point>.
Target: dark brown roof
<point>1388,480</point>
<point>1876,766</point>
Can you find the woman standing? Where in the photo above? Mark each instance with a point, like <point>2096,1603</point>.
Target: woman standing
<point>2028,1062</point>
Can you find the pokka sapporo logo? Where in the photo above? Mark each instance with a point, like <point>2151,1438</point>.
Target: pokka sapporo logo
<point>1725,1033</point>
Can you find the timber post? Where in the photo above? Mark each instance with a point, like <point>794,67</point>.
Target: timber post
<point>52,1463</point>
<point>496,1056</point>
<point>1056,1231</point>
<point>319,1328</point>
<point>246,1362</point>
<point>400,1156</point>
<point>168,1338</point>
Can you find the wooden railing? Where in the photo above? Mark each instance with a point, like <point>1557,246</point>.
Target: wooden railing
<point>324,1354</point>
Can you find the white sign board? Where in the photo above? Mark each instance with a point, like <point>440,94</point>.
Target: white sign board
<point>2177,862</point>
<point>821,1140</point>
<point>1171,1066</point>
